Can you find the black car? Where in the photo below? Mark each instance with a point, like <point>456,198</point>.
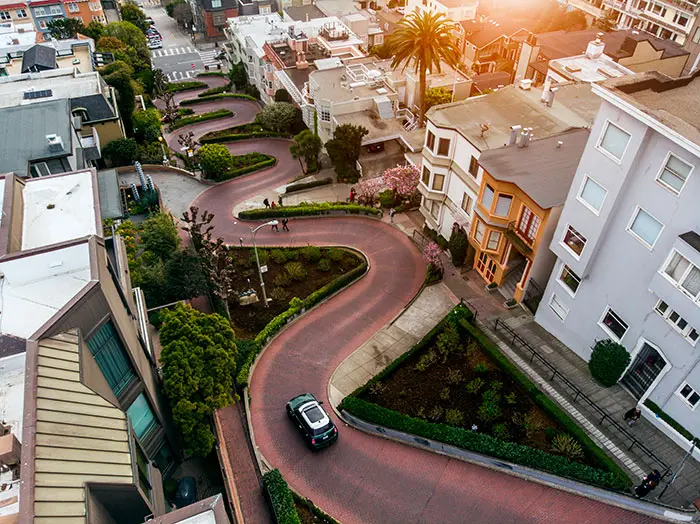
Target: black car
<point>312,421</point>
<point>186,492</point>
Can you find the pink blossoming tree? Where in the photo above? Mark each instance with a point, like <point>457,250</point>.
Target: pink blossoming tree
<point>367,189</point>
<point>403,180</point>
<point>431,255</point>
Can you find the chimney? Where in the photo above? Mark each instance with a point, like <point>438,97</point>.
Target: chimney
<point>55,143</point>
<point>595,48</point>
<point>548,96</point>
<point>514,132</point>
<point>559,144</point>
<point>307,17</point>
<point>524,137</point>
<point>525,84</point>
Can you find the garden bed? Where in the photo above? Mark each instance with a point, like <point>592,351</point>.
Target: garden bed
<point>176,87</point>
<point>242,132</point>
<point>196,119</point>
<point>290,273</point>
<point>455,386</point>
<point>308,209</point>
<point>219,96</point>
<point>247,163</point>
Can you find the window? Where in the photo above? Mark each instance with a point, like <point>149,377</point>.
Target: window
<point>95,6</point>
<point>494,238</point>
<point>325,113</point>
<point>467,204</point>
<point>434,209</point>
<point>613,324</point>
<point>5,15</point>
<point>479,231</point>
<point>474,167</point>
<point>43,24</point>
<point>438,182</point>
<point>677,267</point>
<point>696,36</point>
<point>690,396</point>
<point>683,274</point>
<point>592,194</point>
<point>430,140</point>
<point>444,147</point>
<point>21,13</point>
<point>614,141</point>
<point>558,307</point>
<point>529,224</point>
<point>645,227</point>
<point>574,240</point>
<point>73,7</point>
<point>144,473</point>
<point>487,197</point>
<point>678,322</point>
<point>486,266</point>
<point>216,4</point>
<point>682,20</point>
<point>503,205</point>
<point>570,279</point>
<point>426,176</point>
<point>110,355</point>
<point>674,173</point>
<point>691,282</point>
<point>141,416</point>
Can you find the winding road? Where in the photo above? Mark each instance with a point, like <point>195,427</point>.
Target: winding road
<point>364,479</point>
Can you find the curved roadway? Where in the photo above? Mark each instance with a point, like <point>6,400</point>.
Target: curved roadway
<point>365,479</point>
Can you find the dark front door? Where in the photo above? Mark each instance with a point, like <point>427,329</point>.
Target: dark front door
<point>644,369</point>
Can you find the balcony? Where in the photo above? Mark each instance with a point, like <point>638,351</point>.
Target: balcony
<point>522,244</point>
<point>622,6</point>
<point>656,19</point>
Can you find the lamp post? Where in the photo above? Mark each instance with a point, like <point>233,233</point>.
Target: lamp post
<point>257,259</point>
<point>162,148</point>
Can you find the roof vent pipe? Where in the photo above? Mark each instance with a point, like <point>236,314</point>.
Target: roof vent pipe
<point>514,132</point>
<point>559,144</point>
<point>524,138</point>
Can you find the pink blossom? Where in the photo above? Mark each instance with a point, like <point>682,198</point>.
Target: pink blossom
<point>403,180</point>
<point>431,255</point>
<point>367,189</point>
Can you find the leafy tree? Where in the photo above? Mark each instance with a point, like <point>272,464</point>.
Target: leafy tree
<point>182,13</point>
<point>278,117</point>
<point>160,83</point>
<point>281,95</point>
<point>184,276</point>
<point>238,75</point>
<point>608,360</point>
<point>159,235</point>
<point>198,226</point>
<point>217,258</point>
<point>607,22</point>
<point>436,96</point>
<point>198,359</point>
<point>63,28</point>
<point>133,37</point>
<point>119,75</point>
<point>170,7</point>
<point>381,51</point>
<point>344,149</point>
<point>215,160</point>
<point>146,125</point>
<point>423,41</point>
<point>458,246</point>
<point>306,145</point>
<point>132,13</point>
<point>150,153</point>
<point>120,152</point>
<point>556,18</point>
<point>93,30</point>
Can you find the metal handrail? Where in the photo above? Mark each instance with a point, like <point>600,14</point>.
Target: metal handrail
<point>578,394</point>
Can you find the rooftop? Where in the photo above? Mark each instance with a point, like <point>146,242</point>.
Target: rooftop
<point>207,511</point>
<point>338,86</point>
<point>574,106</point>
<point>382,130</point>
<point>62,47</point>
<point>39,58</point>
<point>17,34</point>
<point>543,170</point>
<point>96,106</point>
<point>673,102</point>
<point>63,83</point>
<point>482,33</point>
<point>581,68</point>
<point>304,12</point>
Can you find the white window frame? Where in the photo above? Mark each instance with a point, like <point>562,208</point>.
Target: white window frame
<point>565,267</point>
<point>477,230</point>
<point>432,182</point>
<point>488,240</point>
<point>21,13</point>
<point>565,309</point>
<point>685,399</point>
<point>678,283</point>
<point>566,246</point>
<point>5,15</point>
<point>663,167</point>
<point>434,205</point>
<point>449,145</point>
<point>469,201</point>
<point>73,7</point>
<point>600,148</point>
<point>613,336</point>
<point>583,201</point>
<point>635,235</point>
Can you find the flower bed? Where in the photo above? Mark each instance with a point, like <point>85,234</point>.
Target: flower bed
<point>196,119</point>
<point>176,87</point>
<point>456,378</point>
<point>248,163</point>
<point>308,209</point>
<point>308,185</point>
<point>219,96</point>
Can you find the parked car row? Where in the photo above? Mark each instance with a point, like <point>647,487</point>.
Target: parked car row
<point>155,40</point>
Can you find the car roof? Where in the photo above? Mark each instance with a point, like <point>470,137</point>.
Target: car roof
<point>301,399</point>
<point>313,405</point>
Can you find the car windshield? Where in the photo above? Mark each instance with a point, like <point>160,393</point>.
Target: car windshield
<point>314,414</point>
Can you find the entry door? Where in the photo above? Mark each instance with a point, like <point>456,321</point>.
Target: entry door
<point>646,367</point>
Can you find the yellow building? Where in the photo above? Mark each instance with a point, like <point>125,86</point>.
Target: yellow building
<point>523,189</point>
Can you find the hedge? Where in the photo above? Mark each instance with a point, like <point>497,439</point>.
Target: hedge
<point>212,91</point>
<point>307,209</point>
<point>671,421</point>
<point>296,307</point>
<point>242,136</point>
<point>268,162</point>
<point>220,96</point>
<point>319,513</point>
<point>308,185</point>
<point>281,498</point>
<point>176,87</point>
<point>213,73</point>
<point>196,119</point>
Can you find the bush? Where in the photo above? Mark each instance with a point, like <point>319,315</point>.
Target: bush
<point>310,254</point>
<point>454,376</point>
<point>335,254</point>
<point>608,360</point>
<point>566,445</point>
<point>212,91</point>
<point>324,265</point>
<point>278,256</point>
<point>282,280</point>
<point>500,431</point>
<point>268,161</point>
<point>220,96</point>
<point>458,245</point>
<point>196,119</point>
<point>454,417</point>
<point>120,152</point>
<point>296,271</point>
<point>490,408</point>
<point>212,73</point>
<point>386,198</point>
<point>426,360</point>
<point>262,255</point>
<point>307,185</point>
<point>291,255</point>
<point>176,87</point>
<point>306,209</point>
<point>281,498</point>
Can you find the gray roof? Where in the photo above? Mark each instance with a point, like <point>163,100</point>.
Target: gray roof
<point>38,58</point>
<point>96,106</point>
<point>303,13</point>
<point>542,170</point>
<point>25,138</point>
<point>110,201</point>
<point>692,239</point>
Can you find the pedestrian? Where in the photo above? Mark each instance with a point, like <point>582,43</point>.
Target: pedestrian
<point>352,195</point>
<point>285,227</point>
<point>240,240</point>
<point>392,212</point>
<point>632,416</point>
<point>272,205</point>
<point>475,427</point>
<point>266,202</point>
<point>279,200</point>
<point>649,482</point>
<point>275,227</point>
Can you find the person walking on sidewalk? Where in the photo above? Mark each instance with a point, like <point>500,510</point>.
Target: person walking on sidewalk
<point>649,482</point>
<point>266,202</point>
<point>275,227</point>
<point>392,212</point>
<point>285,227</point>
<point>632,416</point>
<point>279,200</point>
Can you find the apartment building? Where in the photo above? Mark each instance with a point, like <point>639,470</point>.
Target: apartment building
<point>87,435</point>
<point>458,133</point>
<point>209,16</point>
<point>15,12</point>
<point>669,20</point>
<point>454,10</point>
<point>489,44</point>
<point>43,12</point>
<point>692,45</point>
<point>85,10</point>
<point>627,243</point>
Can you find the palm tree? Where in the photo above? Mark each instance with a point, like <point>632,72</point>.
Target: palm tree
<point>422,41</point>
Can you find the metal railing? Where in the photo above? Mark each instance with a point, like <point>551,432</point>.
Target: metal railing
<point>420,239</point>
<point>580,395</point>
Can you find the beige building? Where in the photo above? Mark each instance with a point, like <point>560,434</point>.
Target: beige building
<point>58,54</point>
<point>669,20</point>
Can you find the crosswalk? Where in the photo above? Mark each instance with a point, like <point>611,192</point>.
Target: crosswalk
<point>172,51</point>
<point>209,57</point>
<point>181,75</point>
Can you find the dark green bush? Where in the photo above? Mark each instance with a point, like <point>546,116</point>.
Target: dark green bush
<point>308,185</point>
<point>175,87</point>
<point>335,254</point>
<point>278,256</point>
<point>220,96</point>
<point>212,91</point>
<point>458,245</point>
<point>296,270</point>
<point>608,360</point>
<point>310,254</point>
<point>281,498</point>
<point>305,209</point>
<point>386,198</point>
<point>268,161</point>
<point>324,265</point>
<point>196,119</point>
<point>212,73</point>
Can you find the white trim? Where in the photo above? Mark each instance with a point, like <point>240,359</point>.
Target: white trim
<point>685,400</point>
<point>566,246</point>
<point>593,210</point>
<point>638,208</point>
<point>663,167</point>
<point>667,367</point>
<point>561,304</point>
<point>563,284</point>
<point>607,153</point>
<point>607,330</point>
<point>677,284</point>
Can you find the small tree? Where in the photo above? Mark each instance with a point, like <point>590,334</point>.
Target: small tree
<point>344,149</point>
<point>436,96</point>
<point>281,95</point>
<point>188,142</point>
<point>237,75</point>
<point>92,30</point>
<point>458,245</point>
<point>431,255</point>
<point>133,14</point>
<point>64,28</point>
<point>608,360</point>
<point>183,14</point>
<point>184,276</point>
<point>306,145</point>
<point>120,152</point>
<point>402,180</point>
<point>170,7</point>
<point>198,226</point>
<point>160,83</point>
<point>278,117</point>
<point>160,236</point>
<point>219,267</point>
<point>146,125</point>
<point>215,160</point>
<point>367,190</point>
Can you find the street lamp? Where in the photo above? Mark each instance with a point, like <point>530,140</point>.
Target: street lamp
<point>162,148</point>
<point>257,260</point>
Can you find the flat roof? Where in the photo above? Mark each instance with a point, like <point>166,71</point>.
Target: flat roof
<point>382,130</point>
<point>543,170</point>
<point>337,86</point>
<point>574,106</point>
<point>63,83</point>
<point>59,208</point>
<point>304,12</point>
<point>583,69</point>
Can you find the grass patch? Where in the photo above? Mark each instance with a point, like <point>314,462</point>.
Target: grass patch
<point>308,209</point>
<point>248,163</point>
<point>196,119</point>
<point>176,87</point>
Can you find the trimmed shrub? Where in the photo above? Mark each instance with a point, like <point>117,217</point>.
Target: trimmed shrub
<point>282,280</point>
<point>310,254</point>
<point>196,119</point>
<point>335,254</point>
<point>474,385</point>
<point>176,87</point>
<point>308,185</point>
<point>454,417</point>
<point>305,209</point>
<point>220,96</point>
<point>296,271</point>
<point>386,198</point>
<point>324,265</point>
<point>566,445</point>
<point>278,256</point>
<point>608,360</point>
<point>212,91</point>
<point>291,255</point>
<point>213,73</point>
<point>458,246</point>
<point>281,498</point>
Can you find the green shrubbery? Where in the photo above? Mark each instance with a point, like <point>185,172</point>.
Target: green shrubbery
<point>608,360</point>
<point>212,91</point>
<point>196,119</point>
<point>175,87</point>
<point>308,185</point>
<point>281,498</point>
<point>307,209</point>
<point>220,96</point>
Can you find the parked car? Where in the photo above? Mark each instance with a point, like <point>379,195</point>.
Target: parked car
<point>151,32</point>
<point>314,424</point>
<point>150,20</point>
<point>155,43</point>
<point>375,148</point>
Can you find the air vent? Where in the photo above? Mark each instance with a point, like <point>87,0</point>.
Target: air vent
<point>31,95</point>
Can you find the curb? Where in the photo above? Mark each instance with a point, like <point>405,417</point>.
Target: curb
<point>547,479</point>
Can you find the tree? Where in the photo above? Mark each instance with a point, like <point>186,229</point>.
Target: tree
<point>119,75</point>
<point>160,83</point>
<point>159,235</point>
<point>423,41</point>
<point>458,245</point>
<point>198,359</point>
<point>278,117</point>
<point>183,14</point>
<point>150,153</point>
<point>367,190</point>
<point>120,152</point>
<point>133,37</point>
<point>184,276</point>
<point>215,160</point>
<point>133,14</point>
<point>146,125</point>
<point>170,111</point>
<point>381,51</point>
<point>199,227</point>
<point>402,180</point>
<point>170,7</point>
<point>436,96</point>
<point>308,146</point>
<point>608,22</point>
<point>608,360</point>
<point>237,75</point>
<point>63,28</point>
<point>217,258</point>
<point>281,95</point>
<point>93,30</point>
<point>344,149</point>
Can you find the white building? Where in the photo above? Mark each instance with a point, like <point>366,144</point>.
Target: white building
<point>671,20</point>
<point>454,10</point>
